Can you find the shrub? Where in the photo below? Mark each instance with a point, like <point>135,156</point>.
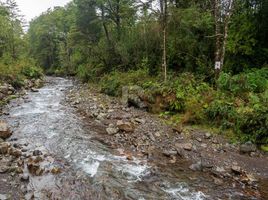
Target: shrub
<point>113,82</point>
<point>16,72</point>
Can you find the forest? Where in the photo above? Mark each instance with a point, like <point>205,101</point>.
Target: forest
<point>207,59</point>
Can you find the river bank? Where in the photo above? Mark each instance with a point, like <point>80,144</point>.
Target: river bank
<point>139,133</point>
<point>70,141</point>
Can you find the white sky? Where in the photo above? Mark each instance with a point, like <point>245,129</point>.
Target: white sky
<point>33,8</point>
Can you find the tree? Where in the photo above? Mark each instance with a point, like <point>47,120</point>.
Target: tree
<point>223,11</point>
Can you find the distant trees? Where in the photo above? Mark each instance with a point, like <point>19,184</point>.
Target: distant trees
<point>11,32</point>
<point>93,37</point>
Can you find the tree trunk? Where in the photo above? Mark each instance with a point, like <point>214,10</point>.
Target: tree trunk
<point>226,29</point>
<point>163,10</point>
<point>218,38</point>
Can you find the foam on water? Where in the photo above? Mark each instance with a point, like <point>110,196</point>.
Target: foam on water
<point>90,168</point>
<point>183,193</point>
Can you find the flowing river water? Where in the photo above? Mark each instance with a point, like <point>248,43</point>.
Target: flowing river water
<point>91,170</point>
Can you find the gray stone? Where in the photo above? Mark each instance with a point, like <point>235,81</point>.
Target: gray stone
<point>34,90</point>
<point>112,131</point>
<point>132,95</point>
<point>4,148</point>
<point>187,146</point>
<point>196,167</point>
<point>236,169</point>
<point>207,136</point>
<point>4,89</point>
<point>4,130</point>
<point>247,148</point>
<point>170,153</point>
<point>125,126</point>
<point>37,153</point>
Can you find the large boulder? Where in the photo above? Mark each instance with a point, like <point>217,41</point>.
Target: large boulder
<point>4,130</point>
<point>132,96</point>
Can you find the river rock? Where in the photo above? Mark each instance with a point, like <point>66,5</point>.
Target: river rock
<point>112,130</point>
<point>196,166</point>
<point>34,90</point>
<point>4,147</point>
<point>125,126</point>
<point>15,152</point>
<point>4,130</point>
<point>187,146</point>
<point>140,120</point>
<point>56,170</point>
<point>247,148</point>
<point>132,96</point>
<point>2,96</point>
<point>34,168</point>
<point>207,136</point>
<point>37,152</point>
<point>4,89</point>
<point>170,153</point>
<point>236,169</point>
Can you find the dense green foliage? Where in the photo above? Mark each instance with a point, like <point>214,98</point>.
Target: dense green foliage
<point>240,104</point>
<point>15,64</point>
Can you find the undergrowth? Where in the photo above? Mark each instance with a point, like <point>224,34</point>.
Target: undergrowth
<point>238,103</point>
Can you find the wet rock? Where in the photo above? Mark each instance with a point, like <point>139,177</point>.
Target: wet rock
<point>3,197</point>
<point>34,90</point>
<point>139,120</point>
<point>39,172</point>
<point>218,181</point>
<point>56,170</point>
<point>125,126</point>
<point>157,134</point>
<point>187,146</point>
<point>170,153</point>
<point>2,96</point>
<point>197,166</point>
<point>29,196</point>
<point>37,153</point>
<point>220,170</point>
<point>112,131</point>
<point>204,145</point>
<point>3,169</point>
<point>236,169</point>
<point>101,116</point>
<point>247,148</point>
<point>15,152</point>
<point>4,148</point>
<point>4,89</point>
<point>34,168</point>
<point>4,130</point>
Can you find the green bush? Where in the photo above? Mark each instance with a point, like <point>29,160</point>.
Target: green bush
<point>254,81</point>
<point>112,83</point>
<point>15,72</point>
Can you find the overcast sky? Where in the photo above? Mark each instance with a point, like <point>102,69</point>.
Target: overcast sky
<point>33,8</point>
